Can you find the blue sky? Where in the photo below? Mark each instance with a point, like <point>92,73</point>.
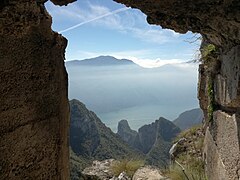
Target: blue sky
<point>103,27</point>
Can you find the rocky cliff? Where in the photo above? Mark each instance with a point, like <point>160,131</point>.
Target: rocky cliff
<point>34,113</point>
<point>154,139</point>
<point>219,90</point>
<point>126,133</point>
<point>91,140</point>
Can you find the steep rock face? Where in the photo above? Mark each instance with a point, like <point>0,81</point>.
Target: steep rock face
<point>154,139</point>
<point>219,98</point>
<point>126,133</point>
<point>34,105</point>
<point>149,134</point>
<point>84,135</point>
<point>90,139</point>
<point>219,90</point>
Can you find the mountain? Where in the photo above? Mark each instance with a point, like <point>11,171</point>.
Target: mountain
<point>153,139</point>
<point>91,140</point>
<point>189,119</point>
<point>126,133</point>
<point>101,61</point>
<point>124,91</point>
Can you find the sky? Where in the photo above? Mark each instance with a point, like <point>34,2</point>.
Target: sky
<point>104,27</point>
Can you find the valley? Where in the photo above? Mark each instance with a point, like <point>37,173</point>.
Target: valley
<point>120,89</point>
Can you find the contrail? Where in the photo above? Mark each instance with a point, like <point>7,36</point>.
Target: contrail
<point>94,19</point>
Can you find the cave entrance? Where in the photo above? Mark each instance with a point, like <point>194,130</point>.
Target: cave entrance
<point>123,68</point>
<point>162,80</point>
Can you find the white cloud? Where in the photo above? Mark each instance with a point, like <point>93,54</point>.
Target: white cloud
<point>135,56</point>
<point>132,21</point>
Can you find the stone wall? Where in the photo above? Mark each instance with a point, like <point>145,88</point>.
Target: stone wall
<point>222,139</point>
<point>34,112</point>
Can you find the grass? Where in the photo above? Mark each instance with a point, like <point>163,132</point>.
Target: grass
<point>189,156</point>
<point>129,166</point>
<point>194,170</point>
<point>187,132</point>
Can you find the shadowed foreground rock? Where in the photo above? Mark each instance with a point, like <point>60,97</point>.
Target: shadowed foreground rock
<point>148,173</point>
<point>34,112</point>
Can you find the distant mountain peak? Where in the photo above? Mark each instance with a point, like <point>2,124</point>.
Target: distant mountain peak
<point>101,61</point>
<point>189,118</point>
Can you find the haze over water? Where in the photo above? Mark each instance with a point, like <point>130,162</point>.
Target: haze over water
<point>140,95</point>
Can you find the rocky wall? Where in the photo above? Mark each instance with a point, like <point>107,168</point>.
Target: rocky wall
<point>34,111</point>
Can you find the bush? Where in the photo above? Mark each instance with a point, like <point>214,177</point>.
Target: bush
<point>129,166</point>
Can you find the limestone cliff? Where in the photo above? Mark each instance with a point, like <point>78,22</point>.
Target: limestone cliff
<point>154,139</point>
<point>126,133</point>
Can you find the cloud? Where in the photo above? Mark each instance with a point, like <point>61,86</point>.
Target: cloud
<point>94,19</point>
<point>124,20</point>
<point>136,56</point>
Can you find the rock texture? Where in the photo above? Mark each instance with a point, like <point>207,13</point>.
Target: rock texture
<point>219,94</point>
<point>34,113</point>
<point>100,170</point>
<point>148,173</point>
<point>153,139</point>
<point>219,88</point>
<point>126,133</point>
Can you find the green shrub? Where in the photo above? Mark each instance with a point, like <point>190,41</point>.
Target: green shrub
<point>187,133</point>
<point>129,166</point>
<point>208,50</point>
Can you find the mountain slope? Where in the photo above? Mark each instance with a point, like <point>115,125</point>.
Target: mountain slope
<point>153,139</point>
<point>90,139</point>
<point>189,119</point>
<point>115,92</point>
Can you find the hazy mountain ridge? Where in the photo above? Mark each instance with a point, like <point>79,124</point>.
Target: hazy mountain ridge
<point>189,118</point>
<point>116,92</point>
<point>101,61</point>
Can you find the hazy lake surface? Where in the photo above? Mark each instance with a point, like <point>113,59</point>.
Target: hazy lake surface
<point>134,93</point>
